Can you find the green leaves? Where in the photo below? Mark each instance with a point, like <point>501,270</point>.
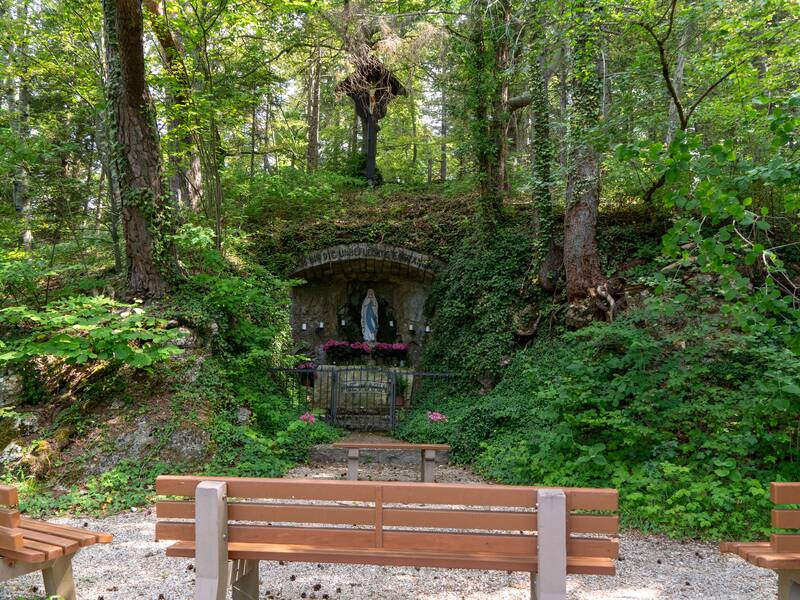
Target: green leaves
<point>84,329</point>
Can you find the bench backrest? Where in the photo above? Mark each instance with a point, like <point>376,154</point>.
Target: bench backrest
<point>453,518</point>
<point>785,518</point>
<point>10,537</point>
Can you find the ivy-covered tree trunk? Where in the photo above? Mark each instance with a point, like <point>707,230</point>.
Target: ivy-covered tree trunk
<point>314,100</point>
<point>581,257</point>
<point>184,157</point>
<point>146,215</point>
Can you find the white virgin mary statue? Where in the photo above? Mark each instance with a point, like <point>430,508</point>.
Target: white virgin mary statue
<point>369,317</point>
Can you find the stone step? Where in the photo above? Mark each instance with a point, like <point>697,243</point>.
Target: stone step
<point>327,454</point>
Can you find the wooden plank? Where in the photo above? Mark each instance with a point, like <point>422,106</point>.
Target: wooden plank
<point>276,513</point>
<point>283,489</point>
<point>494,520</point>
<point>69,546</point>
<point>593,524</point>
<point>460,543</point>
<point>460,494</point>
<point>786,519</point>
<point>785,493</point>
<point>390,446</point>
<point>9,517</point>
<point>25,555</point>
<point>8,496</point>
<point>777,561</point>
<point>260,534</point>
<point>394,492</point>
<point>50,551</point>
<point>84,537</point>
<point>785,543</point>
<point>11,539</point>
<point>379,517</point>
<point>388,557</point>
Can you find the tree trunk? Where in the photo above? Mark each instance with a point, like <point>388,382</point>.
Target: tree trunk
<point>146,216</point>
<point>581,257</point>
<point>19,106</point>
<point>443,143</point>
<point>677,81</point>
<point>312,154</point>
<point>188,185</point>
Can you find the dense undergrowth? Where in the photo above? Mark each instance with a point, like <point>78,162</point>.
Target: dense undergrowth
<point>82,355</point>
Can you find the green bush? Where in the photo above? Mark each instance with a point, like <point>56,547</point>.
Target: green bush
<point>80,329</point>
<point>688,418</point>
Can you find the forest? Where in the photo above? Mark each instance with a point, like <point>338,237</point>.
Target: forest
<point>611,188</point>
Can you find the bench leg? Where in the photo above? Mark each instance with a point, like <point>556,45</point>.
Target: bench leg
<point>550,582</point>
<point>788,585</point>
<point>352,464</point>
<point>428,459</point>
<point>58,579</point>
<point>211,541</point>
<point>245,580</point>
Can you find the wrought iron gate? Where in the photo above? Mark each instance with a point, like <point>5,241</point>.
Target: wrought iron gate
<point>359,398</point>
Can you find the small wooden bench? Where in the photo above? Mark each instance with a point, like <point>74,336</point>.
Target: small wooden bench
<point>549,533</point>
<point>782,552</point>
<point>27,545</point>
<point>427,455</point>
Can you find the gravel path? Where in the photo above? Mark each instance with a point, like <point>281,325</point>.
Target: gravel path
<point>650,568</point>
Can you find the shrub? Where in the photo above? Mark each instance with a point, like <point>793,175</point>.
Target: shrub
<point>689,419</point>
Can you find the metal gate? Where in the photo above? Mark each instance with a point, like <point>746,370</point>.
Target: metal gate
<point>358,398</point>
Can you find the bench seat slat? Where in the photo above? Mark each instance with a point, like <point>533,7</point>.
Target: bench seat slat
<point>50,551</point>
<point>84,537</point>
<point>67,545</point>
<point>25,555</point>
<point>393,557</point>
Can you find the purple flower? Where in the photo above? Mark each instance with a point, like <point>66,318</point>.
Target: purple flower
<point>308,418</point>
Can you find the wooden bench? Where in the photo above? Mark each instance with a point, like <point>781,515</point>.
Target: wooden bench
<point>427,455</point>
<point>782,552</point>
<point>27,545</point>
<point>549,532</point>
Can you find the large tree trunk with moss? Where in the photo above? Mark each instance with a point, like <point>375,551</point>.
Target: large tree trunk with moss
<point>146,215</point>
<point>581,257</point>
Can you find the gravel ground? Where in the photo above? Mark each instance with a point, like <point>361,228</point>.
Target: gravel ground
<point>650,568</point>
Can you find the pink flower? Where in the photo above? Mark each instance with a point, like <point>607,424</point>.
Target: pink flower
<point>308,418</point>
<point>435,417</point>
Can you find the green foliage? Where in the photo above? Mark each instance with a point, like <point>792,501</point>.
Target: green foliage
<point>473,302</point>
<point>82,329</point>
<point>689,418</point>
<point>242,312</point>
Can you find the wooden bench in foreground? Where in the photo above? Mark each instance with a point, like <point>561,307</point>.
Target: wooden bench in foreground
<point>427,455</point>
<point>27,545</point>
<point>549,533</point>
<point>782,552</point>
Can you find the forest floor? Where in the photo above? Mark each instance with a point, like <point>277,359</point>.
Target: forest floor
<point>650,567</point>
